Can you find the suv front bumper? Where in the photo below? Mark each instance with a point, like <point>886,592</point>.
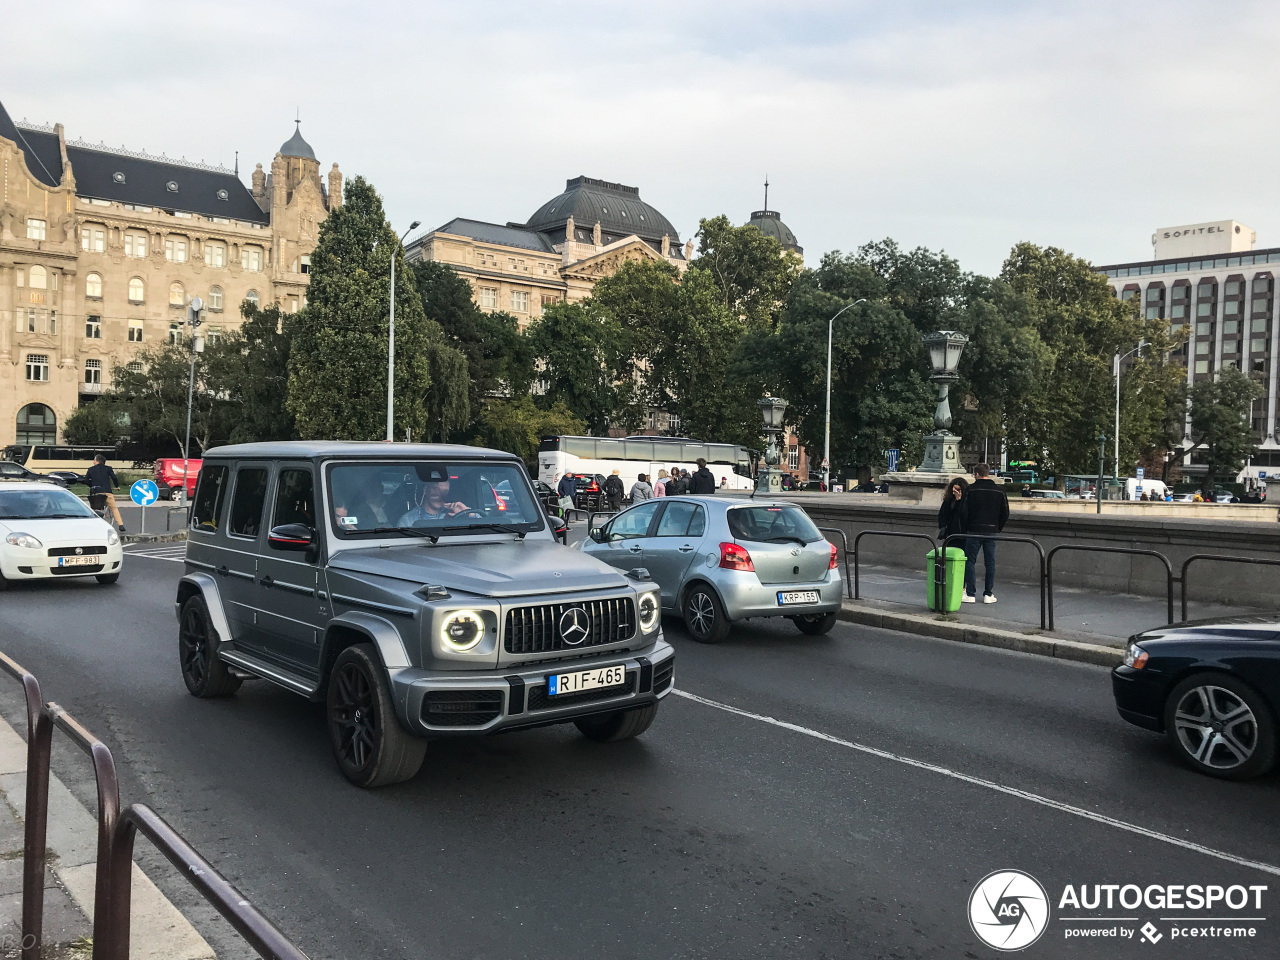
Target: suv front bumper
<point>432,704</point>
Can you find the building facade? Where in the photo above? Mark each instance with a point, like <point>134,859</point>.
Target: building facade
<point>570,243</point>
<point>1221,291</point>
<point>101,250</point>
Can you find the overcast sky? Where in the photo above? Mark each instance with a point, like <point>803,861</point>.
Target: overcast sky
<point>964,127</point>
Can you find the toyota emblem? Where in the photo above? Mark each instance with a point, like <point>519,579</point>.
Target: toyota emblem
<point>79,551</point>
<point>575,626</point>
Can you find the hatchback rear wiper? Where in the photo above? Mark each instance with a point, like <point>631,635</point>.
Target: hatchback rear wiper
<point>407,531</point>
<point>799,540</point>
<point>496,527</point>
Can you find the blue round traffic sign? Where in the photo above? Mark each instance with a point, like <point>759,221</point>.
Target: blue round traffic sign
<point>144,493</point>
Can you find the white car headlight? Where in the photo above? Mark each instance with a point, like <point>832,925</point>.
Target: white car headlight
<point>462,630</point>
<point>25,540</point>
<point>113,538</point>
<point>649,612</point>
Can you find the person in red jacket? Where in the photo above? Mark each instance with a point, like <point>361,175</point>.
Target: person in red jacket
<point>988,513</point>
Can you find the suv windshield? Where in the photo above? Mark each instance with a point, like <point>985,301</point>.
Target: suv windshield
<point>50,504</point>
<point>772,524</point>
<point>435,498</point>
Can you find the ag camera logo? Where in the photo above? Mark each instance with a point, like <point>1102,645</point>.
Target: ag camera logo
<point>1008,910</point>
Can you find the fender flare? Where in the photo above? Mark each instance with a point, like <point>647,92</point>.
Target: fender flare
<point>207,587</point>
<point>381,632</point>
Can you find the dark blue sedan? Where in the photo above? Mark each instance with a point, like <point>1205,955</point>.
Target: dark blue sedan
<point>1212,688</point>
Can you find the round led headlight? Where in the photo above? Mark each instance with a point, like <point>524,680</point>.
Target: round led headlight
<point>25,540</point>
<point>462,630</point>
<point>648,612</point>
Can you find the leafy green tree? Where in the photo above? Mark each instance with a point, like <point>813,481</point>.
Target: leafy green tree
<point>585,365</point>
<point>448,408</point>
<point>1221,435</point>
<point>499,358</point>
<point>253,371</point>
<point>154,395</point>
<point>518,424</point>
<point>338,362</point>
<point>103,422</point>
<point>751,272</point>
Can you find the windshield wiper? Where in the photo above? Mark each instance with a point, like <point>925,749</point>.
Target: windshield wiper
<point>799,540</point>
<point>496,527</point>
<point>63,516</point>
<point>407,531</point>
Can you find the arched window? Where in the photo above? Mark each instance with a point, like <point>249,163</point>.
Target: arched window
<point>93,285</point>
<point>134,366</point>
<point>215,298</point>
<point>37,424</point>
<point>175,333</point>
<point>252,297</point>
<point>177,294</point>
<point>38,278</point>
<point>136,290</point>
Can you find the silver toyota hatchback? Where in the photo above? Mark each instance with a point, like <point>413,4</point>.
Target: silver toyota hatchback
<point>718,560</point>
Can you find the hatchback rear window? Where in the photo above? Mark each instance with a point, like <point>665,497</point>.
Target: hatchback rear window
<point>764,524</point>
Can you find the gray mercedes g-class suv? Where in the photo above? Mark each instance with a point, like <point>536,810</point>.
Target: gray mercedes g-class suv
<point>418,591</point>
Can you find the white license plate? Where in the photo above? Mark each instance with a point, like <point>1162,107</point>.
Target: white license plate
<point>786,597</point>
<point>559,684</point>
<point>90,561</point>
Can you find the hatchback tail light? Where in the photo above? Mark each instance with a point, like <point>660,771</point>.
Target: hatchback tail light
<point>832,565</point>
<point>734,557</point>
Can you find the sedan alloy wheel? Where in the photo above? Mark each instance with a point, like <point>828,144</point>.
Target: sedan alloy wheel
<point>1221,726</point>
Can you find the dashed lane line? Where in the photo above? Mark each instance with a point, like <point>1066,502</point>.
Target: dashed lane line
<point>990,785</point>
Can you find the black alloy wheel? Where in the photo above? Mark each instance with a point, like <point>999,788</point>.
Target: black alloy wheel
<point>202,671</point>
<point>704,616</point>
<point>369,745</point>
<point>1221,726</point>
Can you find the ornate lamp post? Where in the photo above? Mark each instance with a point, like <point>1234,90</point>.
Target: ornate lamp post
<point>772,410</point>
<point>942,447</point>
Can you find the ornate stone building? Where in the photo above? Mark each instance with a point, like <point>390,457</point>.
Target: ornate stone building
<point>101,250</point>
<point>571,241</point>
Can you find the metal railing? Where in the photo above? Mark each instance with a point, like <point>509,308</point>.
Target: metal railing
<point>857,581</point>
<point>116,831</point>
<point>1221,558</point>
<point>1089,548</point>
<point>999,538</point>
<point>844,554</point>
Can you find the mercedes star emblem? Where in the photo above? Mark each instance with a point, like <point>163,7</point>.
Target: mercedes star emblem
<point>575,626</point>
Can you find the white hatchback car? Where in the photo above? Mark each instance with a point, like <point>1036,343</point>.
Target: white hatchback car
<point>48,532</point>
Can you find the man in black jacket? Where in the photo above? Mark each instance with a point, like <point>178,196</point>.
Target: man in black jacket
<point>614,491</point>
<point>988,513</point>
<point>702,482</point>
<point>102,481</point>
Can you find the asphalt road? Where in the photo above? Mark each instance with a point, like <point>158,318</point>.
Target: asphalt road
<point>907,771</point>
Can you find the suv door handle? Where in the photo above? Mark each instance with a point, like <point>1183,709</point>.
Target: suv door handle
<point>267,581</point>
<point>222,571</point>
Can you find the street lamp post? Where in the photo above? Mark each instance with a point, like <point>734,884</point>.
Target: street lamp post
<point>772,410</point>
<point>1102,470</point>
<point>193,319</point>
<point>391,339</point>
<point>942,447</point>
<point>826,449</point>
<point>1115,369</point>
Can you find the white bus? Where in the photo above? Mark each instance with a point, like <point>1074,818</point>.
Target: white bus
<point>632,456</point>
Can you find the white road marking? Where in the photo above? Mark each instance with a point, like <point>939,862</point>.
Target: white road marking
<point>166,552</point>
<point>990,785</point>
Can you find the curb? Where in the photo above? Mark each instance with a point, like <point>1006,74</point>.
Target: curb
<point>158,930</point>
<point>927,626</point>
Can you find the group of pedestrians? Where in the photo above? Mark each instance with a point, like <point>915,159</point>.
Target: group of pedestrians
<point>979,508</point>
<point>669,483</point>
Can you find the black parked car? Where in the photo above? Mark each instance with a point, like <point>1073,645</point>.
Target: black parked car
<point>9,470</point>
<point>1212,688</point>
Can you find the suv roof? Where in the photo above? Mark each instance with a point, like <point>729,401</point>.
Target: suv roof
<point>373,449</point>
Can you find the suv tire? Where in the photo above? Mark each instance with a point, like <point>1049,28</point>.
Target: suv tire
<point>815,624</point>
<point>612,727</point>
<point>369,745</point>
<point>703,615</point>
<point>1250,727</point>
<point>203,671</point>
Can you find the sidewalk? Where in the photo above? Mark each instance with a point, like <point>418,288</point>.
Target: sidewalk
<point>158,931</point>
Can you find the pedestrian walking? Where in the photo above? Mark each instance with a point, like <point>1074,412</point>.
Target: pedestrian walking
<point>641,490</point>
<point>102,481</point>
<point>953,515</point>
<point>565,490</point>
<point>660,488</point>
<point>703,481</point>
<point>614,490</point>
<point>988,512</point>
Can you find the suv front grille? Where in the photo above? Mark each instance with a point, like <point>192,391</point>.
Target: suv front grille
<point>537,629</point>
<point>538,699</point>
<point>461,708</point>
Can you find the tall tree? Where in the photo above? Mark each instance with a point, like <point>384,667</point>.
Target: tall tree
<point>751,272</point>
<point>338,364</point>
<point>153,392</point>
<point>255,375</point>
<point>1221,435</point>
<point>518,424</point>
<point>585,366</point>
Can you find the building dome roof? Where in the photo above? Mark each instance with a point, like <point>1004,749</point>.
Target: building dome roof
<point>771,225</point>
<point>295,146</point>
<point>618,208</point>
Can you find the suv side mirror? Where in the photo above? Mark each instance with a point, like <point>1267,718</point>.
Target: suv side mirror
<point>291,536</point>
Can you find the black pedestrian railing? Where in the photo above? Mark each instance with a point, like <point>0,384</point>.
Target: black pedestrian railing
<point>844,554</point>
<point>116,831</point>
<point>1045,578</point>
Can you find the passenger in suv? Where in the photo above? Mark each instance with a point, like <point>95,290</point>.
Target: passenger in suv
<point>418,591</point>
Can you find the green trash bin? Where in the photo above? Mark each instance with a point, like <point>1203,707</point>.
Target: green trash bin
<point>955,579</point>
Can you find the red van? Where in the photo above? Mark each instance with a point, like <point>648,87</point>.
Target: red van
<point>168,477</point>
